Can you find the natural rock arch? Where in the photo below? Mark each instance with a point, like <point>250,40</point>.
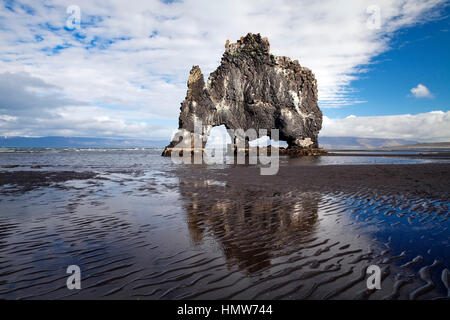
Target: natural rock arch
<point>254,89</point>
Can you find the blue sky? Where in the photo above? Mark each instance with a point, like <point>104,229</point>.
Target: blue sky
<point>122,71</point>
<point>419,54</point>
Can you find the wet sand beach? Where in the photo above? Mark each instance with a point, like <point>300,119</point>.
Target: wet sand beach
<point>152,230</point>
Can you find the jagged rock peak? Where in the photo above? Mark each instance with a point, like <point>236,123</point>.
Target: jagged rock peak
<point>249,43</point>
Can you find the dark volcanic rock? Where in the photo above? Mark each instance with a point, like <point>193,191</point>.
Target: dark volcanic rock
<point>254,89</point>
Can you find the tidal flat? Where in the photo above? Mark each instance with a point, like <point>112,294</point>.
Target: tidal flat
<point>140,227</point>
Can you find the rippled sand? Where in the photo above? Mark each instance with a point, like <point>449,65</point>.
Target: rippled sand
<point>307,233</point>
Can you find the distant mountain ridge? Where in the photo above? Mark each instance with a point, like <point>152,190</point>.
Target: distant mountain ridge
<point>355,143</point>
<point>329,143</point>
<point>78,142</point>
<point>430,145</point>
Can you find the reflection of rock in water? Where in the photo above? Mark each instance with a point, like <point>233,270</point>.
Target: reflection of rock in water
<point>298,244</point>
<point>247,224</point>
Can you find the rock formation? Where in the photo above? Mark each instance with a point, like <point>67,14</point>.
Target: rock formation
<point>254,89</point>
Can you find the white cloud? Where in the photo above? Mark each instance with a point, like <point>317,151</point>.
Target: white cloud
<point>421,91</point>
<point>424,127</point>
<point>6,118</point>
<point>131,59</point>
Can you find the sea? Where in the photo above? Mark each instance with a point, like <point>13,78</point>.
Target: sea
<point>138,227</point>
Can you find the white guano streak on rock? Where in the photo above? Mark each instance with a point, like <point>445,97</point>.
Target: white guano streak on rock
<point>297,102</point>
<point>304,142</point>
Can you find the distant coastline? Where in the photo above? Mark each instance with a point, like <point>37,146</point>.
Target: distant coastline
<point>328,143</point>
<point>432,145</point>
<point>78,142</point>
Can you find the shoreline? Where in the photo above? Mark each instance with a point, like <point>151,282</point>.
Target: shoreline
<point>430,180</point>
<point>376,153</point>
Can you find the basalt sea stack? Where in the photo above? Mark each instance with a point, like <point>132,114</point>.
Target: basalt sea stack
<point>253,88</point>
